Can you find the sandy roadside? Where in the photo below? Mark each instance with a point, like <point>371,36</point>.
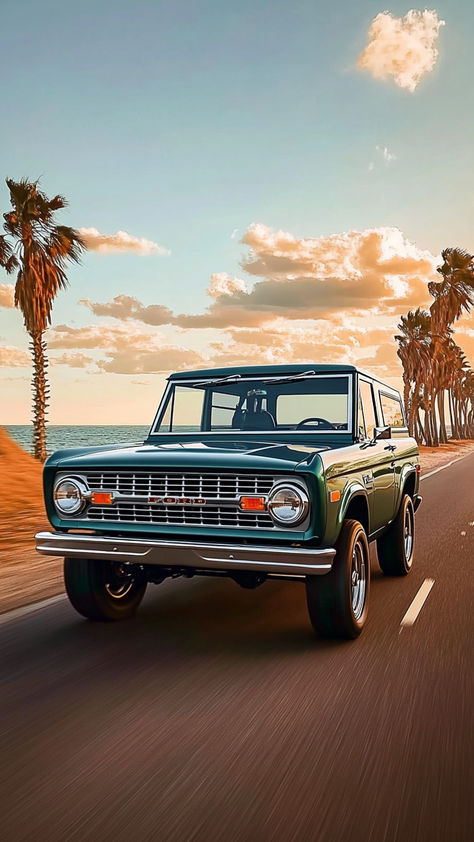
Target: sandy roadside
<point>26,577</point>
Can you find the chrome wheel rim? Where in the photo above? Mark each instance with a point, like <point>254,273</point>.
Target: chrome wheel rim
<point>408,535</point>
<point>358,579</point>
<point>118,581</point>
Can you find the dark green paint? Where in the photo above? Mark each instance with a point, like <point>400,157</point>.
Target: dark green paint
<point>327,462</point>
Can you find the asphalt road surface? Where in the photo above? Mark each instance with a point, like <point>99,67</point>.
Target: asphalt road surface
<point>216,714</point>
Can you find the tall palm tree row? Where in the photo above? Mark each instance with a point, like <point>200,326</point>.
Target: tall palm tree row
<point>38,250</point>
<point>434,367</point>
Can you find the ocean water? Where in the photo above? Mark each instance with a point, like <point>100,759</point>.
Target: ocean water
<point>61,435</point>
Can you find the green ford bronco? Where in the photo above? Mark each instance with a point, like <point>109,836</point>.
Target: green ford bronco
<point>265,472</point>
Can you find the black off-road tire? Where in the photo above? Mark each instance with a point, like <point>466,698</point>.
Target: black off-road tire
<point>396,547</point>
<point>89,588</point>
<point>333,608</point>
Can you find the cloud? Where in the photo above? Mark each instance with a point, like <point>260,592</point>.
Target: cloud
<point>121,241</point>
<point>7,295</point>
<point>14,357</point>
<point>402,49</point>
<point>154,361</point>
<point>322,341</point>
<point>128,350</point>
<point>126,307</point>
<point>93,337</point>
<point>387,156</point>
<point>223,284</point>
<point>73,360</point>
<point>376,270</point>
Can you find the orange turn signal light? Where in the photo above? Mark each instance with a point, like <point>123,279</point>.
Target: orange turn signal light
<point>101,498</point>
<point>252,504</point>
<point>334,496</point>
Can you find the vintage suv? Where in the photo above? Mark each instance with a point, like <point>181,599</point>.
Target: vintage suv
<point>266,472</point>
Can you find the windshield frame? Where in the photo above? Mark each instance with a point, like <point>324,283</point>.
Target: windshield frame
<point>275,433</point>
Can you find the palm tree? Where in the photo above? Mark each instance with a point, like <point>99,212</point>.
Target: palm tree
<point>414,352</point>
<point>453,295</point>
<point>455,292</point>
<point>38,250</point>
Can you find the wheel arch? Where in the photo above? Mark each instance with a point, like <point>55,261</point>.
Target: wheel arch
<point>355,505</point>
<point>408,482</point>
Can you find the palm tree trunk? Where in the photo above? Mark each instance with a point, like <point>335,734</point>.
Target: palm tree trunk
<point>427,430</point>
<point>40,394</point>
<point>442,417</point>
<point>451,415</point>
<point>418,428</point>
<point>406,400</point>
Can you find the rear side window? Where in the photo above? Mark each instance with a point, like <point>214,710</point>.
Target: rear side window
<point>392,412</point>
<point>369,408</point>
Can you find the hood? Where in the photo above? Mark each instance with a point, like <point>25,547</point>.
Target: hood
<point>233,455</point>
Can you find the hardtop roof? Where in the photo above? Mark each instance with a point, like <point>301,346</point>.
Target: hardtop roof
<point>296,368</point>
<point>228,371</point>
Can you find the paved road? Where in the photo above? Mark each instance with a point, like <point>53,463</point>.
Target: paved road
<point>215,714</point>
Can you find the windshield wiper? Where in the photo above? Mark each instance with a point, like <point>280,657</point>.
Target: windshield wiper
<point>232,378</point>
<point>290,377</point>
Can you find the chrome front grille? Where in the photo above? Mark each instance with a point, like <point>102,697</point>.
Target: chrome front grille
<point>217,486</point>
<point>222,493</point>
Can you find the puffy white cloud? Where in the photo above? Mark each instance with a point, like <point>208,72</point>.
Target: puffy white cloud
<point>14,357</point>
<point>223,284</point>
<point>377,270</point>
<point>402,49</point>
<point>121,241</point>
<point>7,295</point>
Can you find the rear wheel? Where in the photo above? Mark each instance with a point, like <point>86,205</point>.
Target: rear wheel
<point>103,590</point>
<point>395,548</point>
<point>338,602</point>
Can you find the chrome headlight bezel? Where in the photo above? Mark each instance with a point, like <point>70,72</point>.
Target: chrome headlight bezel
<point>276,501</point>
<point>82,491</point>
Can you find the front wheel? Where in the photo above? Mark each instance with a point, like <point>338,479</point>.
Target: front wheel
<point>395,548</point>
<point>338,602</point>
<point>103,590</point>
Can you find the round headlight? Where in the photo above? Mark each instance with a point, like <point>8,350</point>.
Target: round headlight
<point>288,505</point>
<point>68,496</point>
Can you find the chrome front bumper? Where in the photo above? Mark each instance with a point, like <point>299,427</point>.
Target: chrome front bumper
<point>286,561</point>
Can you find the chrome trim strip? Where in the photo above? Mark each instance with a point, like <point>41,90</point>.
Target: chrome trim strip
<point>188,554</point>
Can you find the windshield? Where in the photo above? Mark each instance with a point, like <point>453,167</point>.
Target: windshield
<point>315,404</point>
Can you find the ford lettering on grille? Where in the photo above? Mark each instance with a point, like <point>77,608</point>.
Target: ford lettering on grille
<point>178,501</point>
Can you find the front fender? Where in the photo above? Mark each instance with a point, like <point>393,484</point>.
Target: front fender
<point>337,511</point>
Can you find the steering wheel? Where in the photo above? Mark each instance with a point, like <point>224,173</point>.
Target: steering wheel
<point>322,423</point>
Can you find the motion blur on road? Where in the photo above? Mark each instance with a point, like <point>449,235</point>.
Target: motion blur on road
<point>216,714</point>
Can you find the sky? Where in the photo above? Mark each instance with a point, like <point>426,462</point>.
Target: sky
<point>261,181</point>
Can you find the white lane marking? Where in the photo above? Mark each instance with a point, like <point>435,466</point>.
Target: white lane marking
<point>417,603</point>
<point>442,467</point>
<point>24,610</point>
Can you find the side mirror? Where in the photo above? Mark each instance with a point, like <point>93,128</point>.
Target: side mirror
<point>382,433</point>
